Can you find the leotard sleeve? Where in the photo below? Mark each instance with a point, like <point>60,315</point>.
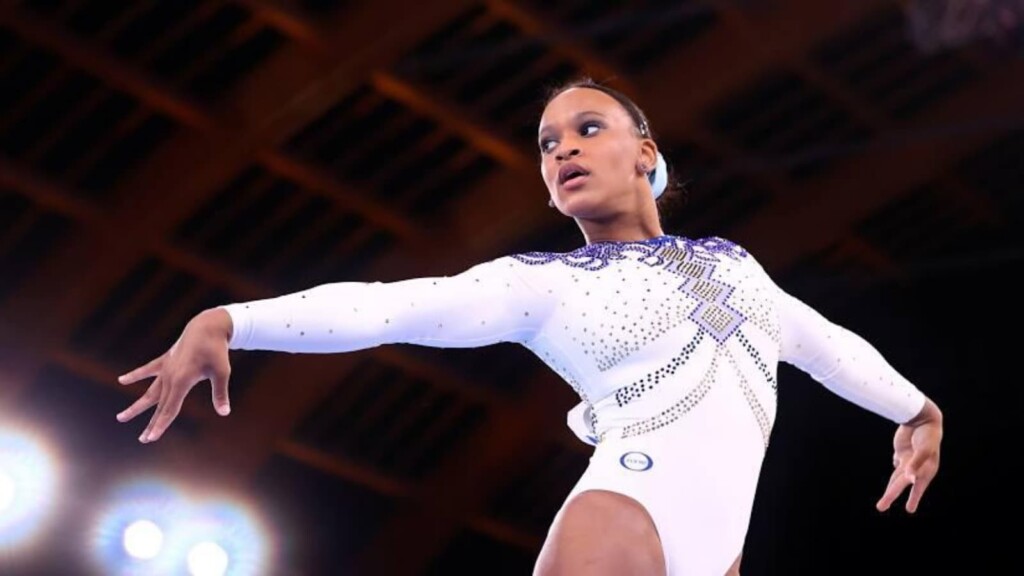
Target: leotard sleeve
<point>486,304</point>
<point>844,362</point>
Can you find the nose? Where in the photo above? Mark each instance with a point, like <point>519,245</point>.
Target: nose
<point>564,154</point>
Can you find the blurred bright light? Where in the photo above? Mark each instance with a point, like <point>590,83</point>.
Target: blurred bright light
<point>207,559</point>
<point>28,482</point>
<point>235,531</point>
<point>153,528</point>
<point>7,490</point>
<point>132,535</point>
<point>143,539</point>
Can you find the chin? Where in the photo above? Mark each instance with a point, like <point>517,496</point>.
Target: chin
<point>584,205</point>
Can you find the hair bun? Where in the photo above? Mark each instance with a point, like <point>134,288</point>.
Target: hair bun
<point>658,177</point>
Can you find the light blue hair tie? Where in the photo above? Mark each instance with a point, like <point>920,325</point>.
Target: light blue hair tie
<point>659,177</point>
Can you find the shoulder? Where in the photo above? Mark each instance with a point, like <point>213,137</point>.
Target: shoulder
<point>745,259</point>
<point>599,255</point>
<point>720,246</point>
<point>724,250</point>
<point>584,257</point>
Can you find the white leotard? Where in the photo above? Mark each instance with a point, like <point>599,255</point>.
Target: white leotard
<point>671,343</point>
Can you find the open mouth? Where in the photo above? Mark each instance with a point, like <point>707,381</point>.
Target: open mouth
<point>571,172</point>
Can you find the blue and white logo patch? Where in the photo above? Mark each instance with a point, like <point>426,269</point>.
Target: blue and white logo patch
<point>636,461</point>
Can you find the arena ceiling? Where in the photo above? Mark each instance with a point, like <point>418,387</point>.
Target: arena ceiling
<point>162,157</point>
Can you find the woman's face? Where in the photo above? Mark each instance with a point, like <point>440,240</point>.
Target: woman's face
<point>590,152</point>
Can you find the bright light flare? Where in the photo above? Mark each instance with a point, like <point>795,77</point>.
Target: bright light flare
<point>207,559</point>
<point>143,539</point>
<point>7,491</point>
<point>28,486</point>
<point>224,539</point>
<point>131,537</point>
<point>154,528</point>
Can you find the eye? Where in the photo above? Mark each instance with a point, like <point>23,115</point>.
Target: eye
<point>589,128</point>
<point>547,145</point>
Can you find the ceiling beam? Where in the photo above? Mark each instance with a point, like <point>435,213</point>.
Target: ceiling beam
<point>403,490</point>
<point>822,210</point>
<point>235,449</point>
<point>688,81</point>
<point>465,481</point>
<point>222,126</point>
<point>275,102</point>
<point>561,42</point>
<point>484,138</point>
<point>56,198</point>
<point>800,63</point>
<point>98,62</point>
<point>676,94</point>
<point>488,140</point>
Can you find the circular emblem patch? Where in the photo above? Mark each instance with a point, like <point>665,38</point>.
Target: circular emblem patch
<point>636,461</point>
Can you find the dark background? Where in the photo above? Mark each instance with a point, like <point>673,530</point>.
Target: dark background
<point>157,158</point>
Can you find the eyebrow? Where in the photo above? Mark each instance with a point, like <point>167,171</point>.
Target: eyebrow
<point>575,116</point>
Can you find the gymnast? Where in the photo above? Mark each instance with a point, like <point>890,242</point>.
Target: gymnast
<point>672,344</point>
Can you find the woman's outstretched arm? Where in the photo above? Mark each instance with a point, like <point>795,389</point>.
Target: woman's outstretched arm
<point>849,366</point>
<point>844,362</point>
<point>487,304</point>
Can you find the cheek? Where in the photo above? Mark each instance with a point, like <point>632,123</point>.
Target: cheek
<point>620,160</point>
<point>547,171</point>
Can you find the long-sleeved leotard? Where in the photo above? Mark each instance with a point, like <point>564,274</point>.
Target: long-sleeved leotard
<point>672,345</point>
<point>609,318</point>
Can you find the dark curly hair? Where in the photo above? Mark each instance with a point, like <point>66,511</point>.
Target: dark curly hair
<point>675,195</point>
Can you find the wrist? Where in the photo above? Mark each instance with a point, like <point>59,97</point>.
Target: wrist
<point>929,414</point>
<point>215,322</point>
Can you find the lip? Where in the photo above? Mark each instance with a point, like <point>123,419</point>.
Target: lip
<point>568,170</point>
<point>575,183</point>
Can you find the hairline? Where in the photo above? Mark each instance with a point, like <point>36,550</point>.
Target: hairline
<point>636,115</point>
<point>633,112</point>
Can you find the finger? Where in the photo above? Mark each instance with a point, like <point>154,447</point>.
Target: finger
<point>917,492</point>
<point>145,402</point>
<point>165,388</point>
<point>221,402</point>
<point>897,483</point>
<point>149,370</point>
<point>888,486</point>
<point>170,407</point>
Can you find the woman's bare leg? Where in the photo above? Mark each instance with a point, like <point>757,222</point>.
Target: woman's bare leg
<point>734,570</point>
<point>602,533</point>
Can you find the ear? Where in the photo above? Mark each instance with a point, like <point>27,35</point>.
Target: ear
<point>648,155</point>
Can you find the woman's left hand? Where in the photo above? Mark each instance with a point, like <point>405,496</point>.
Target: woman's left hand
<point>915,458</point>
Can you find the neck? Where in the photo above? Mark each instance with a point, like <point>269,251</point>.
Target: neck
<point>624,229</point>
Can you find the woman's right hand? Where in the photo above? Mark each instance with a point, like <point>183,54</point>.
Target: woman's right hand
<point>201,353</point>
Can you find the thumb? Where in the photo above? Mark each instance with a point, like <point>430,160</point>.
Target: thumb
<point>219,381</point>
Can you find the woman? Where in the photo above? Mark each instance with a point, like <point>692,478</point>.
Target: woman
<point>671,343</point>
